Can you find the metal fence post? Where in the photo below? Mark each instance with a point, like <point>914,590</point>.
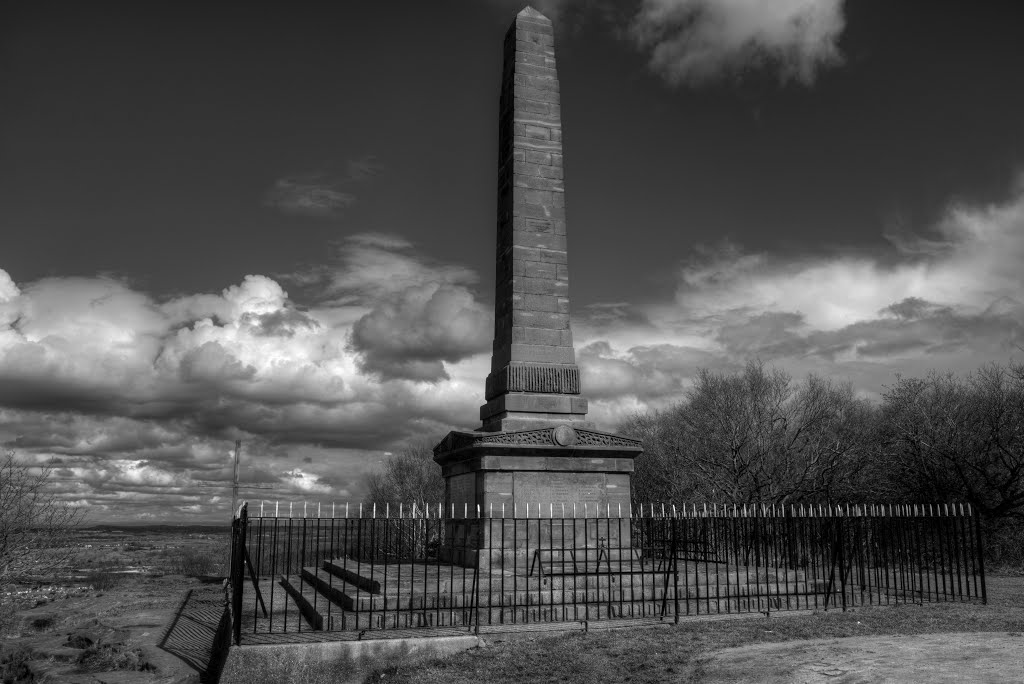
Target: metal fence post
<point>238,530</point>
<point>981,556</point>
<point>675,567</point>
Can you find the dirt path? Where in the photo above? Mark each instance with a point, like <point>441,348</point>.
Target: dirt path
<point>976,657</point>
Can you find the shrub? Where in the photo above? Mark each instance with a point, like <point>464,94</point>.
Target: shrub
<point>104,657</point>
<point>104,580</point>
<point>35,526</point>
<point>14,667</point>
<point>194,561</point>
<point>42,623</point>
<point>1004,546</point>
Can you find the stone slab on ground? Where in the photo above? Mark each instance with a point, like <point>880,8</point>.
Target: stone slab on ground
<point>337,662</point>
<point>976,657</point>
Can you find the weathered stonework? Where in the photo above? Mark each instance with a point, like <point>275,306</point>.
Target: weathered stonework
<point>535,447</point>
<point>533,352</point>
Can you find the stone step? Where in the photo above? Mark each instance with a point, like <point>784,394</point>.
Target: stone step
<point>355,573</point>
<point>345,596</point>
<point>426,611</point>
<point>333,588</point>
<point>305,597</point>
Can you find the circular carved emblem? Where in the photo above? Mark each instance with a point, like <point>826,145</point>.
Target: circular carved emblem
<point>564,435</point>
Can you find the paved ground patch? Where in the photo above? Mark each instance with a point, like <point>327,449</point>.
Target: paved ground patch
<point>976,657</point>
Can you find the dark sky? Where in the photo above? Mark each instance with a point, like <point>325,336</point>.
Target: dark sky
<point>141,139</point>
<point>275,222</point>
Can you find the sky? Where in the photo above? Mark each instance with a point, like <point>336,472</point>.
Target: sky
<point>275,222</point>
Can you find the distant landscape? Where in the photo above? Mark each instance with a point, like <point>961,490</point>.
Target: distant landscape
<point>105,608</point>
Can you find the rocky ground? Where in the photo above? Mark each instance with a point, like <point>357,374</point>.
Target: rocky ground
<point>83,635</point>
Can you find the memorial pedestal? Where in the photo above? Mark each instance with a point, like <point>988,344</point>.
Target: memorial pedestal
<point>549,473</point>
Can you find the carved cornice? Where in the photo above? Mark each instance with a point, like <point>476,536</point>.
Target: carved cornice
<point>564,436</point>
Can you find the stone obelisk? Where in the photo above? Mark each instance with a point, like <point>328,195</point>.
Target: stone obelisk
<point>534,447</point>
<point>534,380</point>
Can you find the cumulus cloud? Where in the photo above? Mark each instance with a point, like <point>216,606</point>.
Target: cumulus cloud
<point>423,314</point>
<point>135,400</point>
<point>951,298</point>
<point>695,41</point>
<point>136,397</point>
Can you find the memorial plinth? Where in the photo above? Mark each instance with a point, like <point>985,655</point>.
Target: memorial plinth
<point>535,448</point>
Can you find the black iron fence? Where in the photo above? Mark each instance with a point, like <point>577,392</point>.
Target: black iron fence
<point>425,569</point>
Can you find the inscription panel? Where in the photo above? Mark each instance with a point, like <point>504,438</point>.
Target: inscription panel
<point>462,493</point>
<point>559,488</point>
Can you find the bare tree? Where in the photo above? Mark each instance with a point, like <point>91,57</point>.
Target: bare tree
<point>756,437</point>
<point>409,476</point>
<point>660,473</point>
<point>35,527</point>
<point>948,438</point>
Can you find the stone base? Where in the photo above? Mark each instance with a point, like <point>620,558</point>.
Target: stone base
<point>526,410</point>
<point>551,472</point>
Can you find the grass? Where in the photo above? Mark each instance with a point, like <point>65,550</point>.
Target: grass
<point>195,561</point>
<point>677,653</point>
<point>14,667</point>
<point>104,580</point>
<point>107,657</point>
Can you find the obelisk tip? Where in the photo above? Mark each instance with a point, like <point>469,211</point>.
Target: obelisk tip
<point>530,13</point>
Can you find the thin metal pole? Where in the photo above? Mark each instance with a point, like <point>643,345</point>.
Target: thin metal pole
<point>981,557</point>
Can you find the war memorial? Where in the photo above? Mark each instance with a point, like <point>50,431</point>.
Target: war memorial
<point>535,446</point>
<point>539,525</point>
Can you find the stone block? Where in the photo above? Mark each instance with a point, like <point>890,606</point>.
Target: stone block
<point>538,82</point>
<point>530,421</point>
<point>521,105</point>
<point>535,118</point>
<point>550,172</point>
<point>535,27</point>
<point>540,70</point>
<point>524,34</point>
<point>534,269</point>
<point>556,159</point>
<point>532,156</point>
<point>538,94</point>
<point>578,404</point>
<point>535,253</point>
<point>532,403</point>
<point>540,319</point>
<point>540,286</point>
<point>532,131</point>
<point>555,256</point>
<point>530,196</point>
<point>530,48</point>
<point>544,60</point>
<point>541,336</point>
<point>523,142</point>
<point>535,302</point>
<point>562,272</point>
<point>541,354</point>
<point>540,240</point>
<point>523,168</point>
<point>537,183</point>
<point>499,481</point>
<point>556,226</point>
